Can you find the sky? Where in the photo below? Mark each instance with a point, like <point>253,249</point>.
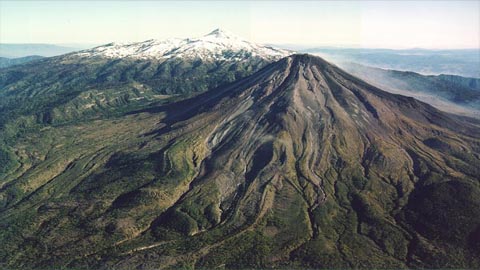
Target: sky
<point>370,24</point>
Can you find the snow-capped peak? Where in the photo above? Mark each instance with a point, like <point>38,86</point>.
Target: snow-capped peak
<point>221,33</point>
<point>216,45</point>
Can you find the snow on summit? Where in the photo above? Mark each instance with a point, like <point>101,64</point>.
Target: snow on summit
<point>217,45</point>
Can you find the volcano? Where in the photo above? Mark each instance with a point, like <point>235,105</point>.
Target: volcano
<point>298,165</point>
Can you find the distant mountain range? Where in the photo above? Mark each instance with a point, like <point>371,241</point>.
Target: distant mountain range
<point>6,62</point>
<point>450,93</point>
<point>23,50</point>
<point>215,152</point>
<point>463,62</point>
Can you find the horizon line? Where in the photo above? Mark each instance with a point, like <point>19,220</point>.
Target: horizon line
<point>283,45</point>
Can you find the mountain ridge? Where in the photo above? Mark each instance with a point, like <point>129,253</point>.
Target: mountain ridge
<point>218,44</point>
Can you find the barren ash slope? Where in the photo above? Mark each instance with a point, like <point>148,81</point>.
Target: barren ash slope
<point>298,165</point>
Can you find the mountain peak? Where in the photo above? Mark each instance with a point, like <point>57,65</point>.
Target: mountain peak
<point>308,59</point>
<point>221,33</point>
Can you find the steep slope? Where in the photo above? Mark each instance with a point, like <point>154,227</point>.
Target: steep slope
<point>298,165</point>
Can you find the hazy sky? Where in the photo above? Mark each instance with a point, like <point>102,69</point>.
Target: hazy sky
<point>389,24</point>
